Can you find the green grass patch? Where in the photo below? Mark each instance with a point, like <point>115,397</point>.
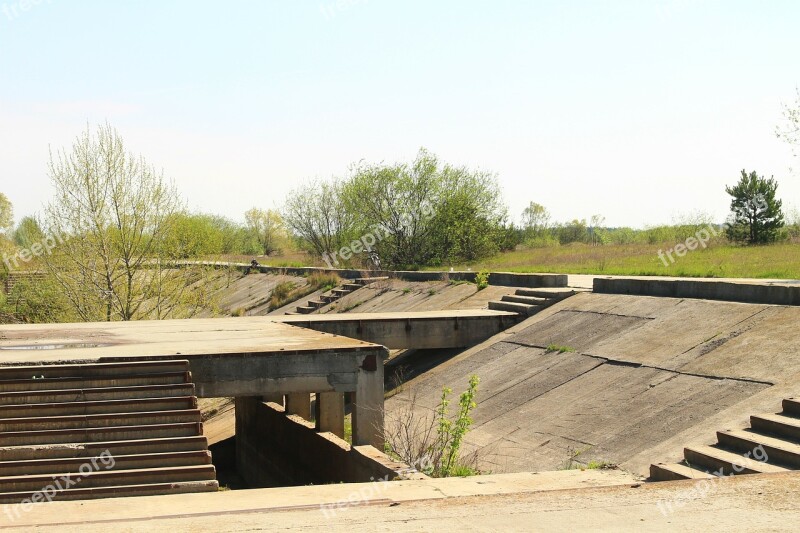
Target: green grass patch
<point>560,349</point>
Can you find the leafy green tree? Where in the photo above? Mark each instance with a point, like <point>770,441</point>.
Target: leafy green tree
<point>317,214</point>
<point>535,220</point>
<point>114,214</point>
<point>6,213</point>
<point>266,228</point>
<point>790,131</point>
<point>28,232</point>
<point>756,216</point>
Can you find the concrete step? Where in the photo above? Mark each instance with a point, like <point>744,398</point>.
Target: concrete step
<point>92,370</point>
<point>778,451</point>
<point>329,298</point>
<point>97,407</point>
<point>316,304</point>
<point>93,449</point>
<point>791,406</point>
<point>62,436</point>
<point>304,310</point>
<point>715,460</point>
<point>124,491</point>
<point>103,420</point>
<point>781,426</point>
<point>110,478</point>
<point>98,394</point>
<point>367,281</point>
<point>676,472</point>
<point>351,286</point>
<point>120,462</point>
<point>341,292</point>
<point>291,313</point>
<point>168,378</point>
<point>522,309</point>
<point>555,294</point>
<point>530,300</point>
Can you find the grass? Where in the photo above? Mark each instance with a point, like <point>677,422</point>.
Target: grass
<point>560,349</point>
<point>287,292</point>
<point>779,261</point>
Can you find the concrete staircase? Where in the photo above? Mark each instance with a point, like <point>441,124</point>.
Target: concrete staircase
<point>90,431</point>
<point>334,295</point>
<point>771,444</point>
<point>527,302</point>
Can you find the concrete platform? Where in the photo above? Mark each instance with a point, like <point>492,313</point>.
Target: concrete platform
<point>548,501</point>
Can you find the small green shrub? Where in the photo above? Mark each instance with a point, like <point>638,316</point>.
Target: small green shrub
<point>482,279</point>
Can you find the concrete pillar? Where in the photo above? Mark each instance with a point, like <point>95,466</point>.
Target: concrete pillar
<point>299,404</point>
<point>330,412</point>
<point>273,398</point>
<point>368,404</point>
<point>246,437</point>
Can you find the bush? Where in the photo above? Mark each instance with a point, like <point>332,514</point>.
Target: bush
<point>482,279</point>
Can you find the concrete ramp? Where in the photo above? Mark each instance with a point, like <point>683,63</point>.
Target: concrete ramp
<point>101,430</point>
<point>621,379</point>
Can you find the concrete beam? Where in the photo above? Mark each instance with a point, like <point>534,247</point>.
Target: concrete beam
<point>411,330</point>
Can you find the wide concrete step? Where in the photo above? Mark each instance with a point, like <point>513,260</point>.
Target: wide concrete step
<point>92,449</point>
<point>97,407</point>
<point>676,472</point>
<point>93,370</point>
<point>305,310</point>
<point>316,304</point>
<point>341,292</point>
<point>781,426</point>
<point>168,378</point>
<point>99,420</point>
<point>724,462</point>
<point>98,394</point>
<point>778,451</point>
<point>119,491</point>
<point>512,307</point>
<point>106,462</point>
<point>530,300</point>
<point>557,294</point>
<point>109,478</point>
<point>791,406</point>
<point>61,436</point>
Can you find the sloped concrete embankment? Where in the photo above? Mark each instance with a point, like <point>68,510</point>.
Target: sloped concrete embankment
<point>638,378</point>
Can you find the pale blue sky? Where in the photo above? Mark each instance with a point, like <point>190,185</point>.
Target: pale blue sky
<point>637,110</point>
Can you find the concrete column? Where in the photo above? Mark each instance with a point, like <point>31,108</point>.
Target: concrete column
<point>330,412</point>
<point>299,404</point>
<point>368,404</point>
<point>273,398</point>
<point>247,453</point>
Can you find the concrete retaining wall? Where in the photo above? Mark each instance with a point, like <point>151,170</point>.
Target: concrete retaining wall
<point>701,289</point>
<point>506,279</point>
<point>273,448</point>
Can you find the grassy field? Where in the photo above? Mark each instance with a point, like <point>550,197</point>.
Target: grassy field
<point>781,261</point>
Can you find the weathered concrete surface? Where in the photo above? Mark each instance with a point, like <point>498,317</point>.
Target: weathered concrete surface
<point>550,501</point>
<point>738,291</point>
<point>410,330</point>
<point>645,371</point>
